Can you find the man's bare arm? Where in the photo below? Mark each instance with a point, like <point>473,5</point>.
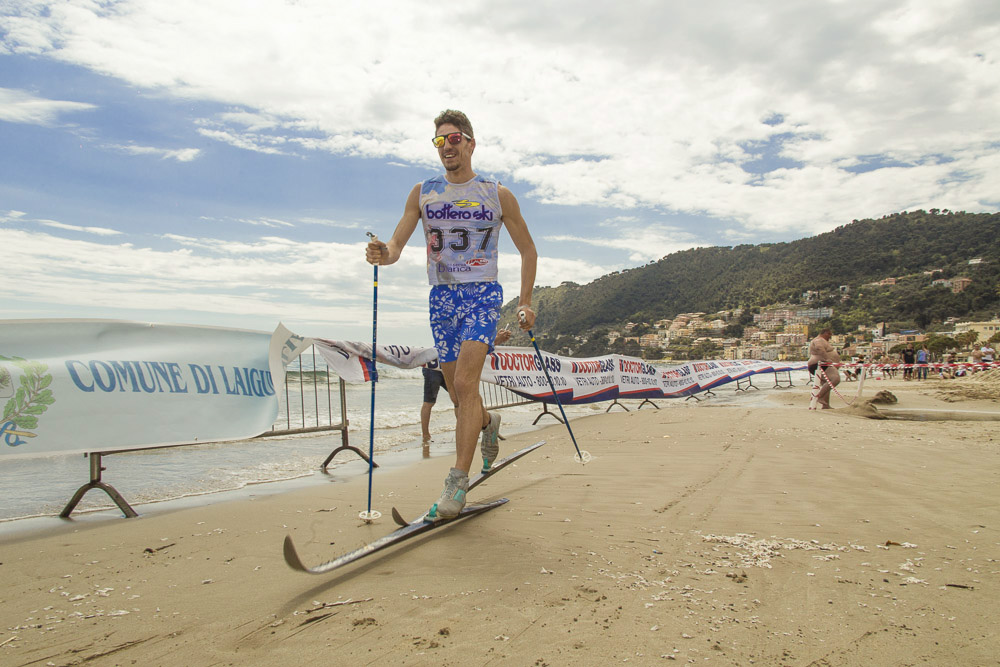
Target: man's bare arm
<point>388,253</point>
<point>519,234</point>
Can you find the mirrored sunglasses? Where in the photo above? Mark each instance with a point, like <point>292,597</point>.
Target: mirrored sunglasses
<point>453,139</point>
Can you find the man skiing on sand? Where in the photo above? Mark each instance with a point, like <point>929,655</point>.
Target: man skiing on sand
<point>461,214</point>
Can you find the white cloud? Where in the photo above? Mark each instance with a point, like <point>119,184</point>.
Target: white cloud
<point>246,141</point>
<point>324,222</point>
<point>776,120</point>
<point>11,216</point>
<point>22,217</point>
<point>18,106</point>
<point>639,239</point>
<point>180,154</point>
<point>99,231</point>
<point>638,105</point>
<point>327,285</point>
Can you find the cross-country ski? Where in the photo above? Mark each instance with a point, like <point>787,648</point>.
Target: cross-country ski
<point>407,530</point>
<point>393,538</point>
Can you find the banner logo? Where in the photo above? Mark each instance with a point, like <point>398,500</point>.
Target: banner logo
<point>28,397</point>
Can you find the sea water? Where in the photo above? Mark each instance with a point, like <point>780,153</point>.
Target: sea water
<point>38,487</point>
<point>42,486</point>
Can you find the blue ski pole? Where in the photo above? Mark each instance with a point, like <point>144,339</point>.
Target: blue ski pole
<point>370,515</point>
<point>581,456</point>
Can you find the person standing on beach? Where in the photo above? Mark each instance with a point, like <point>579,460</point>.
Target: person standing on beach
<point>462,213</point>
<point>923,356</point>
<point>821,354</point>
<point>433,381</point>
<point>909,357</point>
<point>988,352</point>
<point>975,358</point>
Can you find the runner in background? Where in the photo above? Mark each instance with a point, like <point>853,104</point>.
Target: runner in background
<point>822,353</point>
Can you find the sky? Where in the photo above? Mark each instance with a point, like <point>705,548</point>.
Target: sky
<point>218,162</point>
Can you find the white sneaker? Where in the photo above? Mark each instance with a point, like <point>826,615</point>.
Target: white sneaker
<point>452,499</point>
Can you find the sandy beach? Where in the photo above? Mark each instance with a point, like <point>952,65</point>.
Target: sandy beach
<point>700,535</point>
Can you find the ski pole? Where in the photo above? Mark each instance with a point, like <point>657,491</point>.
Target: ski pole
<point>580,457</point>
<point>370,515</point>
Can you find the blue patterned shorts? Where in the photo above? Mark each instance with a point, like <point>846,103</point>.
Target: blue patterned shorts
<point>461,312</point>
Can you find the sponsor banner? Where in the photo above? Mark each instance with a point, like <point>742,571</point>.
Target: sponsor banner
<point>594,379</point>
<point>520,370</point>
<point>678,382</point>
<point>102,385</point>
<point>637,378</point>
<point>738,369</point>
<point>709,374</point>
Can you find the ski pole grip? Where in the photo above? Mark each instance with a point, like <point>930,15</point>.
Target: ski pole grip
<point>374,239</point>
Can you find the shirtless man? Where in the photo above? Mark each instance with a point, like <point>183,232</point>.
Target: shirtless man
<point>822,353</point>
<point>988,352</point>
<point>462,214</point>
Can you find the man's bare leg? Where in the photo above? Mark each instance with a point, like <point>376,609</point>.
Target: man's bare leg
<point>462,377</point>
<point>425,421</point>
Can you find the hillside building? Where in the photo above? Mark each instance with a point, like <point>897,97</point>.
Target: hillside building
<point>955,284</point>
<point>986,330</point>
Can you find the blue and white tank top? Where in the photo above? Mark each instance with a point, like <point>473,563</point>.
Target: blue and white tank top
<point>462,229</point>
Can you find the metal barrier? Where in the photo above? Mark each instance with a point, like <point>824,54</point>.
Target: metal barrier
<point>497,397</point>
<point>315,374</point>
<point>293,376</point>
<point>783,382</point>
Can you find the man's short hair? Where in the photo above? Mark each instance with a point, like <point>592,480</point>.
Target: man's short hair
<point>826,331</point>
<point>456,118</point>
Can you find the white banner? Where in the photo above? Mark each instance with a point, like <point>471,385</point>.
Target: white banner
<point>102,385</point>
<point>594,379</point>
<point>352,360</point>
<point>637,378</point>
<point>521,370</point>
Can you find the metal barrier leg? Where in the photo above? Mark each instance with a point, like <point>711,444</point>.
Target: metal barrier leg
<point>614,403</point>
<point>646,400</point>
<point>545,411</point>
<point>344,438</point>
<point>350,448</point>
<point>95,483</point>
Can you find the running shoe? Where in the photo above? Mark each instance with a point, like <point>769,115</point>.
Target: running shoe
<point>452,499</point>
<point>489,443</point>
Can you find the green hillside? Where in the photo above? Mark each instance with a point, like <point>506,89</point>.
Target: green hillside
<point>903,245</point>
